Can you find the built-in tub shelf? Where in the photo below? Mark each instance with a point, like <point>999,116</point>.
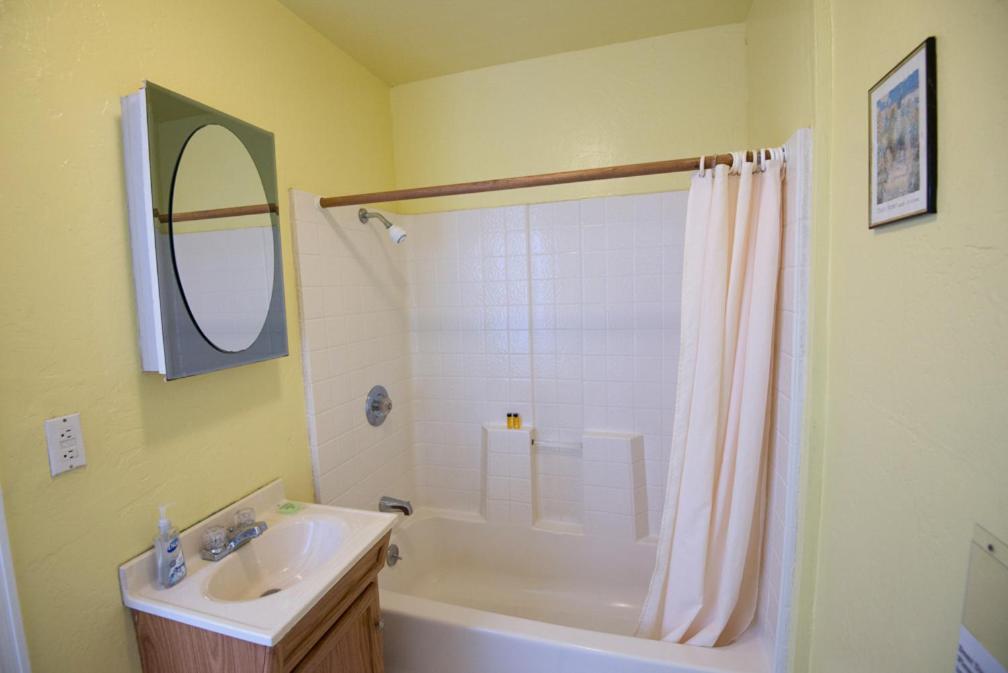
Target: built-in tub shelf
<point>612,499</point>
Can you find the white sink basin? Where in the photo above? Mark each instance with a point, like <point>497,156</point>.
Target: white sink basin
<point>260,591</point>
<point>279,558</point>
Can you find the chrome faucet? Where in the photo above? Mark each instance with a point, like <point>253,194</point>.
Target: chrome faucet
<point>389,504</point>
<point>218,541</point>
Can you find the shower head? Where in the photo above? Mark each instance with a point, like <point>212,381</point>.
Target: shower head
<point>395,232</point>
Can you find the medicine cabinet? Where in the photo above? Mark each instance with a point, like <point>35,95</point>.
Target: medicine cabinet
<point>204,230</point>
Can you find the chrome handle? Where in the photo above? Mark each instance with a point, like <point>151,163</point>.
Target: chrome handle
<point>380,624</point>
<point>392,555</point>
<point>377,406</point>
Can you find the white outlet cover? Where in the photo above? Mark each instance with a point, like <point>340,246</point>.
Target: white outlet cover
<point>65,443</point>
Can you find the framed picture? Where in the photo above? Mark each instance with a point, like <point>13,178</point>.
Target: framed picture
<point>903,140</point>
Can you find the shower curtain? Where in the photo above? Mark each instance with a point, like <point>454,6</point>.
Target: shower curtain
<point>703,591</point>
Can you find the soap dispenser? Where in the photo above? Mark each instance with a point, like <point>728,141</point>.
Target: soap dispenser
<point>168,558</point>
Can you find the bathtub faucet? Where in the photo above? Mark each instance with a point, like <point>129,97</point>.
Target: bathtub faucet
<point>390,504</point>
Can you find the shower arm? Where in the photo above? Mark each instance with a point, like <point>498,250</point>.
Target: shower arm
<point>363,215</point>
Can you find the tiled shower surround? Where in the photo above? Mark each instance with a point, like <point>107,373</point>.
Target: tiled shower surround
<point>567,313</point>
<point>355,334</point>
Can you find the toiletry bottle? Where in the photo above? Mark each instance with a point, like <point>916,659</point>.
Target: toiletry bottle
<point>168,559</point>
<point>510,421</point>
<point>517,421</point>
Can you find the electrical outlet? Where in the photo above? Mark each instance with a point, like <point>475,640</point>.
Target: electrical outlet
<point>65,442</point>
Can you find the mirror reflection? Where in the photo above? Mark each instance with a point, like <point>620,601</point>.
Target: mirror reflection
<point>222,238</point>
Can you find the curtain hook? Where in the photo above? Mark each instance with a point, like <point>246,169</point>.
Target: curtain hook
<point>702,172</point>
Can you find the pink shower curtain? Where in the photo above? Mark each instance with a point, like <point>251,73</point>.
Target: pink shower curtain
<point>703,591</point>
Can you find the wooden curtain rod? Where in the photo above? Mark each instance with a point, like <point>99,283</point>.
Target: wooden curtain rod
<point>500,184</point>
<point>217,213</point>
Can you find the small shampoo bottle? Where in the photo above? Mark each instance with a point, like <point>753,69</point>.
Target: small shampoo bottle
<point>171,567</point>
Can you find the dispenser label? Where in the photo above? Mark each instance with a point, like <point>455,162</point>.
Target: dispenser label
<point>177,572</point>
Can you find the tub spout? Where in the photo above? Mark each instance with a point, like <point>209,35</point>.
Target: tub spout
<point>389,504</point>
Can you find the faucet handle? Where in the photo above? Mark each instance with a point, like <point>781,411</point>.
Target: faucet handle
<point>214,538</point>
<point>244,517</point>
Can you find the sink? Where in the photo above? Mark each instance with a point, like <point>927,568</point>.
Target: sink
<point>278,559</point>
<point>259,592</point>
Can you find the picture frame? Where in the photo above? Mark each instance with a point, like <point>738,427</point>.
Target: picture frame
<point>903,140</point>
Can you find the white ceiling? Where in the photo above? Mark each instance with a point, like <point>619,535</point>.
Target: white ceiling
<point>406,40</point>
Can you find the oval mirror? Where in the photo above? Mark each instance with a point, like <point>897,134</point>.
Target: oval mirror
<point>223,259</point>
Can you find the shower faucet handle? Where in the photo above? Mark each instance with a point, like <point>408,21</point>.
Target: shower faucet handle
<point>378,405</point>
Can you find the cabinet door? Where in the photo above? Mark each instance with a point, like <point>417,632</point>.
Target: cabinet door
<point>353,644</point>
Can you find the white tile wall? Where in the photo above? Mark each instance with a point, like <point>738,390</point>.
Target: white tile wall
<point>605,281</point>
<point>508,474</point>
<point>470,343</point>
<point>558,494</point>
<point>565,312</point>
<point>352,288</point>
<point>615,500</point>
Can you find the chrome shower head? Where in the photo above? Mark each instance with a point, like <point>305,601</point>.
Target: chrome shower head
<point>395,232</point>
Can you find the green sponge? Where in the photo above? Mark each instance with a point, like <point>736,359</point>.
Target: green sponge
<point>290,507</point>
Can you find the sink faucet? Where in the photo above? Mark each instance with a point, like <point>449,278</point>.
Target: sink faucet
<point>218,541</point>
<point>389,504</point>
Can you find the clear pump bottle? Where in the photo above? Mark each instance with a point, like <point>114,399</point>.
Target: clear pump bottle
<point>171,566</point>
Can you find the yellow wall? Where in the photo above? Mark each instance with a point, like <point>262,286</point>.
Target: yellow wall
<point>68,338</point>
<point>660,98</point>
<point>917,336</point>
<point>779,62</point>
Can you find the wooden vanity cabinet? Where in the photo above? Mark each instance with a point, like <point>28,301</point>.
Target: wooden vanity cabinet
<point>353,645</point>
<point>339,634</point>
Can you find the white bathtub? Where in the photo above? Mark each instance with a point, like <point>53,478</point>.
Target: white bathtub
<point>476,597</point>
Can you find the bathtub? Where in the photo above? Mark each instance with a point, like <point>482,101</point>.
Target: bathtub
<point>470,596</point>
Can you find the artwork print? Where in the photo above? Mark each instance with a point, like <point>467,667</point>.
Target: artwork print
<point>898,148</point>
<point>903,151</point>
